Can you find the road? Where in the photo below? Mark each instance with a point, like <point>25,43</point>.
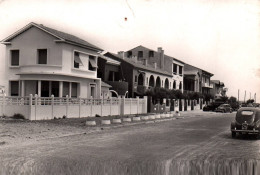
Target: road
<point>200,144</point>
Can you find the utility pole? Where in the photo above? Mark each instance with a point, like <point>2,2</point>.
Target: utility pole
<point>255,97</point>
<point>245,97</point>
<point>238,95</point>
<point>250,96</point>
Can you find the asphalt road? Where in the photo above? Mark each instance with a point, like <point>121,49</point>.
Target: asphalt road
<point>200,144</point>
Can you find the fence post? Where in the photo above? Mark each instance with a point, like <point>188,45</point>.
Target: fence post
<point>130,106</point>
<point>144,110</point>
<point>110,106</point>
<point>91,105</point>
<point>30,107</point>
<point>67,106</point>
<point>120,105</point>
<point>137,104</point>
<point>4,104</point>
<point>36,103</point>
<point>52,106</point>
<point>101,100</point>
<point>79,106</point>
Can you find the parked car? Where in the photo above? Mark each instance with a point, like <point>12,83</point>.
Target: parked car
<point>247,121</point>
<point>224,108</point>
<point>211,107</point>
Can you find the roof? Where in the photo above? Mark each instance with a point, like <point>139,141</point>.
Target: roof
<point>197,68</point>
<point>170,57</point>
<point>103,84</point>
<point>62,36</point>
<point>138,65</point>
<point>217,82</point>
<point>190,72</point>
<point>110,60</point>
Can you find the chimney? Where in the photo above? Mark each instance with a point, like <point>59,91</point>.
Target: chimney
<point>121,54</point>
<point>155,65</point>
<point>161,57</point>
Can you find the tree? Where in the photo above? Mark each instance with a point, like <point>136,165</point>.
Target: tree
<point>232,99</point>
<point>250,101</point>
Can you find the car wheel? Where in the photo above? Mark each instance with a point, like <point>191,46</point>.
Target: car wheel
<point>233,134</point>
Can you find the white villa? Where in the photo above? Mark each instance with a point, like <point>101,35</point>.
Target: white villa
<point>43,61</point>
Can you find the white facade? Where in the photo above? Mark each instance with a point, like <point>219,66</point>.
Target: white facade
<point>39,62</point>
<point>177,77</point>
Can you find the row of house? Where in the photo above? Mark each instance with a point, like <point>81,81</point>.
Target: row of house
<point>44,61</point>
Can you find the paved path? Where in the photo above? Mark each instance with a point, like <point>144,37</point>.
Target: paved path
<point>200,144</point>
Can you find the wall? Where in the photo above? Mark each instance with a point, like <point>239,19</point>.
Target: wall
<point>48,108</point>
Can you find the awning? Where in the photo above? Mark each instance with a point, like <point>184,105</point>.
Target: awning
<point>93,63</point>
<point>78,60</point>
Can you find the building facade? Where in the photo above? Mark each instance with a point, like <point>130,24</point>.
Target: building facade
<point>110,71</point>
<point>144,68</point>
<point>162,62</point>
<point>44,61</point>
<point>218,89</point>
<point>197,80</point>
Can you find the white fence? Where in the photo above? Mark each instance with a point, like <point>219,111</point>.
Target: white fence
<point>39,108</point>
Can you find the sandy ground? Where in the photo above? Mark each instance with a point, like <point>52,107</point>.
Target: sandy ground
<point>16,131</point>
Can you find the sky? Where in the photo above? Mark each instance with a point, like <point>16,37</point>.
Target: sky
<point>219,36</point>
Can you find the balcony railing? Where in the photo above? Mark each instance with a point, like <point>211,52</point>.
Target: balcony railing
<point>207,85</point>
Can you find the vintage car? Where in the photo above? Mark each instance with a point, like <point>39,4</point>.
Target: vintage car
<point>224,108</point>
<point>247,121</point>
<point>212,106</point>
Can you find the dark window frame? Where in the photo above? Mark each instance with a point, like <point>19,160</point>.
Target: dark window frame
<point>174,69</point>
<point>41,56</point>
<point>76,65</point>
<point>151,53</point>
<point>180,70</point>
<point>140,54</point>
<point>18,87</point>
<point>13,57</point>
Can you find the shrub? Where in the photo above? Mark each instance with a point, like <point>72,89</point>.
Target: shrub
<point>64,116</point>
<point>18,116</point>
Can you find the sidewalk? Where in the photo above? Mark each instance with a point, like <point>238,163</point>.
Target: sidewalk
<point>15,131</point>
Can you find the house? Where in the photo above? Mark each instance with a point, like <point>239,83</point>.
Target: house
<point>44,61</point>
<point>160,61</point>
<point>218,89</point>
<point>197,80</point>
<point>110,71</point>
<point>141,71</point>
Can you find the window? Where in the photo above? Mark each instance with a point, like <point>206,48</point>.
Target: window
<point>174,85</point>
<point>140,54</point>
<point>92,63</point>
<point>74,89</point>
<point>14,85</point>
<point>92,91</point>
<point>174,68</point>
<point>42,56</point>
<point>180,85</point>
<point>180,70</point>
<point>14,57</point>
<point>151,53</point>
<point>129,53</point>
<point>76,60</point>
<point>136,78</point>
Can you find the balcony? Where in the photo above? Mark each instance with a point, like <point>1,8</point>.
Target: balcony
<point>40,68</point>
<point>207,85</point>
